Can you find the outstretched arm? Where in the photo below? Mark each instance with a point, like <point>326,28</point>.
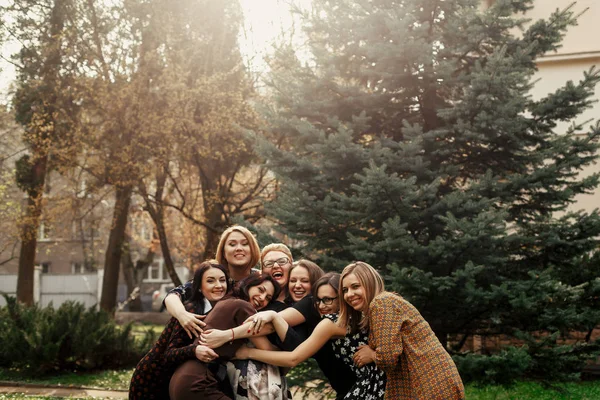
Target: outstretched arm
<point>214,338</point>
<point>325,330</point>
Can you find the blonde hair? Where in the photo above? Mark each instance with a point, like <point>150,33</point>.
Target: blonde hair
<point>372,284</point>
<point>254,249</point>
<point>276,247</point>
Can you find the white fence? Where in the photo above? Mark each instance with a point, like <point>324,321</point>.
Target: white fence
<point>83,288</point>
<point>56,289</point>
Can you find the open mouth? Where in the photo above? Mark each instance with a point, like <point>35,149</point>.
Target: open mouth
<point>257,304</point>
<point>277,275</point>
<point>299,293</point>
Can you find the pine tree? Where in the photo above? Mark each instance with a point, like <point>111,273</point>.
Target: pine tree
<point>409,140</point>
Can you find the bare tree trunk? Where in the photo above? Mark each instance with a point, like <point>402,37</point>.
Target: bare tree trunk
<point>112,262</point>
<point>29,231</point>
<point>157,213</point>
<point>39,138</point>
<point>164,248</point>
<point>213,212</point>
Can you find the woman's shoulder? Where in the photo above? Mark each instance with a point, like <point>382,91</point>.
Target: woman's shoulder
<point>386,298</point>
<point>331,317</point>
<point>391,302</point>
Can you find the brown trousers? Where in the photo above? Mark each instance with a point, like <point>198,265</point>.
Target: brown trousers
<point>193,380</point>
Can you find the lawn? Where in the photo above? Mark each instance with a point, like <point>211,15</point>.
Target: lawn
<point>109,380</point>
<point>119,380</point>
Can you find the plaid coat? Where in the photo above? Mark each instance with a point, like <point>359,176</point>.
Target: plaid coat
<point>415,362</point>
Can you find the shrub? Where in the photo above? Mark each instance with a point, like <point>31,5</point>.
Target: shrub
<point>502,369</point>
<point>46,340</point>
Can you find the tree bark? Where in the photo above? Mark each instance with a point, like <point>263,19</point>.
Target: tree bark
<point>29,231</point>
<point>157,213</point>
<point>114,250</point>
<point>38,138</point>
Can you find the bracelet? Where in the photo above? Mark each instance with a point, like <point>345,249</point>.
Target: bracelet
<point>232,336</point>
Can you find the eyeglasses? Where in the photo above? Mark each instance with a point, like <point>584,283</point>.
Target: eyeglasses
<point>325,300</point>
<point>280,261</point>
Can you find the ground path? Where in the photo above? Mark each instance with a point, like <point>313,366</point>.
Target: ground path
<point>60,391</point>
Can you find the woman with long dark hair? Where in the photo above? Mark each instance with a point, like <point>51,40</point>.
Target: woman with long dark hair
<point>151,376</point>
<point>204,378</point>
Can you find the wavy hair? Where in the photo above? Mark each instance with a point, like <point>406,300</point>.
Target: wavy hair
<point>254,248</point>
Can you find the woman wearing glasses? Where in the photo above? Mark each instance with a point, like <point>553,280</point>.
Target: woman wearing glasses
<point>276,260</point>
<point>304,317</point>
<point>349,347</point>
<point>253,379</point>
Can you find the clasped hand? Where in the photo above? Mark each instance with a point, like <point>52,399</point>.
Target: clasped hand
<point>364,355</point>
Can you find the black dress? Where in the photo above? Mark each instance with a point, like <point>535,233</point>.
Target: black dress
<point>370,380</point>
<point>340,376</point>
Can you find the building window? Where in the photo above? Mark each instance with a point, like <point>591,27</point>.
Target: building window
<point>145,231</point>
<point>156,271</point>
<point>44,231</point>
<point>89,229</point>
<point>46,267</point>
<point>78,268</point>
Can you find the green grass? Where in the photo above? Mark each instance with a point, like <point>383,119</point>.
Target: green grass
<point>119,380</point>
<point>533,390</point>
<point>109,380</point>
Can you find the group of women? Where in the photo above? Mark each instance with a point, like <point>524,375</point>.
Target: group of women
<point>236,331</point>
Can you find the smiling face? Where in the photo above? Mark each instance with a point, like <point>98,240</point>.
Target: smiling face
<point>354,292</point>
<point>261,294</point>
<point>327,294</point>
<point>299,285</point>
<point>214,284</point>
<point>279,272</point>
<point>237,250</point>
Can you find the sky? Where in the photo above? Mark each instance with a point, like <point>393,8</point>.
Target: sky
<point>265,20</point>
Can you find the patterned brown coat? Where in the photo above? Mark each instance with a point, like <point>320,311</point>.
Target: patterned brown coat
<point>415,362</point>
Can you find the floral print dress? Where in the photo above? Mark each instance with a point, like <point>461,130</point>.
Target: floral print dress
<point>370,380</point>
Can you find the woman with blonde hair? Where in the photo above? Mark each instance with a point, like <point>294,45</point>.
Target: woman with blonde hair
<point>276,260</point>
<point>238,251</point>
<point>416,364</point>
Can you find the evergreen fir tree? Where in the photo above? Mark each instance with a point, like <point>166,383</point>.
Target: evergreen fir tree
<point>409,140</point>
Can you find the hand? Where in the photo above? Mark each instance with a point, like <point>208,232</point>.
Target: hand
<point>191,323</point>
<point>364,355</point>
<point>259,320</point>
<point>214,338</point>
<point>242,353</point>
<point>205,354</point>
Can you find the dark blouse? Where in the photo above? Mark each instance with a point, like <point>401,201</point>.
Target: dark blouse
<point>151,376</point>
<point>340,376</point>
